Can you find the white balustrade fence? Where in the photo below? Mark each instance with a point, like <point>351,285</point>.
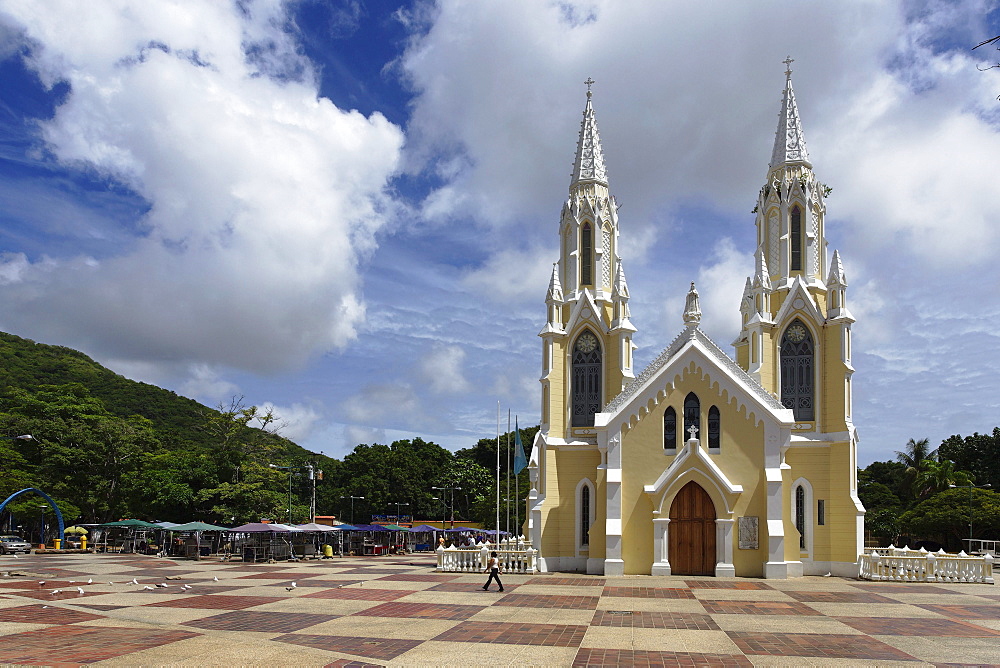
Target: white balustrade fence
<point>514,556</point>
<point>906,565</point>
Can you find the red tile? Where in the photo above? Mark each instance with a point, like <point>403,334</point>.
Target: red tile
<point>587,657</point>
<point>549,601</point>
<point>649,592</point>
<point>360,594</point>
<point>823,645</point>
<point>262,622</point>
<point>82,644</point>
<point>421,611</point>
<point>758,608</point>
<point>40,614</point>
<point>549,635</point>
<point>384,649</point>
<point>924,626</point>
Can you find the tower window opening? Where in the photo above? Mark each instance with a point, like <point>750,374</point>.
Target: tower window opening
<point>587,255</point>
<point>714,429</point>
<point>585,516</point>
<point>795,234</point>
<point>692,415</point>
<point>797,371</point>
<point>821,512</point>
<point>670,429</point>
<point>586,379</point>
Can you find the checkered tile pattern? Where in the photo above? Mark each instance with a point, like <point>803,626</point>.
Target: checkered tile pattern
<point>263,622</point>
<point>824,645</point>
<point>549,635</point>
<point>654,620</point>
<point>371,610</point>
<point>590,658</point>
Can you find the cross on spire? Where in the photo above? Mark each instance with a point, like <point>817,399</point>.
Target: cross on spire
<point>788,66</point>
<point>589,82</point>
<point>693,430</point>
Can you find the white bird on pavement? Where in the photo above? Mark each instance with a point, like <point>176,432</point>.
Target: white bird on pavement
<point>57,591</point>
<point>134,581</point>
<point>41,583</point>
<point>215,579</point>
<point>163,585</point>
<point>90,581</point>
<point>148,587</point>
<point>187,586</point>
<point>80,589</point>
<point>292,587</point>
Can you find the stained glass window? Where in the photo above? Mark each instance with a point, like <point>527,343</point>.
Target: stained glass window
<point>586,380</point>
<point>692,415</point>
<point>797,371</point>
<point>795,240</point>
<point>670,428</point>
<point>714,428</point>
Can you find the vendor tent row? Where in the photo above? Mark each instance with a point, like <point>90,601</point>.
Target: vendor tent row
<point>259,541</point>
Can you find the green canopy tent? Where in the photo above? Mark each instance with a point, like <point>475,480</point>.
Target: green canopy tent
<point>194,548</point>
<point>132,528</point>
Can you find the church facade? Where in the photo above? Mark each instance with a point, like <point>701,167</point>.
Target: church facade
<point>702,463</point>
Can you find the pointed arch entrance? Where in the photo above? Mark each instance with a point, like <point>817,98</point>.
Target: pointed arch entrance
<point>691,540</point>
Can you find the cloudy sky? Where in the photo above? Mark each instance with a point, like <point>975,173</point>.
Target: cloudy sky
<point>349,210</point>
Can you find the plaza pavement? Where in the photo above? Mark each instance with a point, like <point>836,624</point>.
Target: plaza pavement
<point>396,610</point>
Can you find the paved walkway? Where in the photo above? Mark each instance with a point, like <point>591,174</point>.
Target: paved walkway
<point>397,611</point>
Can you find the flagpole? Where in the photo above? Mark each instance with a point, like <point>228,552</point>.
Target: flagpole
<point>507,461</point>
<point>496,536</point>
<point>517,487</point>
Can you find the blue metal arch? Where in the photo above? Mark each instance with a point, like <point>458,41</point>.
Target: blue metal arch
<point>48,498</point>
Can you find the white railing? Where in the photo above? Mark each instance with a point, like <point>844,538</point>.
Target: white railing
<point>514,556</point>
<point>904,565</point>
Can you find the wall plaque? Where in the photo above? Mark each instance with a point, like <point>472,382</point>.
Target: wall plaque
<point>748,533</point>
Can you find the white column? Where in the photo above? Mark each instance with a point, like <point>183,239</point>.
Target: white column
<point>613,563</point>
<point>724,548</point>
<point>661,558</point>
<point>776,566</point>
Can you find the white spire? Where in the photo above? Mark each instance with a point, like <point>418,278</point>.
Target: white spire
<point>589,163</point>
<point>555,293</point>
<point>789,142</point>
<point>692,308</point>
<point>621,287</point>
<point>762,277</point>
<point>837,277</point>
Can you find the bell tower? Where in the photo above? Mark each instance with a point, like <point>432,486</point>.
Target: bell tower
<point>796,328</point>
<point>587,338</point>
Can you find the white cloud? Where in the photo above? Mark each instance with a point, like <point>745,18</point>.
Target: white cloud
<point>512,275</point>
<point>375,403</point>
<point>296,422</point>
<point>263,196</point>
<point>206,384</point>
<point>442,370</point>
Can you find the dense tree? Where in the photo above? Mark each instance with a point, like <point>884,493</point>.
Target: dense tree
<point>945,516</point>
<point>979,454</point>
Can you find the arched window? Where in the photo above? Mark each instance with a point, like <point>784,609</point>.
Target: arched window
<point>587,255</point>
<point>714,429</point>
<point>670,429</point>
<point>585,516</point>
<point>795,240</point>
<point>797,371</point>
<point>586,379</point>
<point>692,415</point>
<point>800,515</point>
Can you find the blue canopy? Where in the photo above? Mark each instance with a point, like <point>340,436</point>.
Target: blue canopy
<point>345,527</point>
<point>424,527</point>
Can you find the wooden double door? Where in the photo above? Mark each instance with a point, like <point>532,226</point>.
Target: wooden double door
<point>691,533</point>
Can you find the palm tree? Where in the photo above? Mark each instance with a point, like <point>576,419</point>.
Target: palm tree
<point>916,456</point>
<point>915,452</point>
<point>939,476</point>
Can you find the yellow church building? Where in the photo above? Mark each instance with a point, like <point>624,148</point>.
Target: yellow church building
<point>700,464</point>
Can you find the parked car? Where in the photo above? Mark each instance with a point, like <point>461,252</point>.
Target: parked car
<point>13,545</point>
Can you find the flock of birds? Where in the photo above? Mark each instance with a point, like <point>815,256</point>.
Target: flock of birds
<point>160,585</point>
<point>133,581</point>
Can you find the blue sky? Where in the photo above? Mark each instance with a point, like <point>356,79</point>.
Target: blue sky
<point>349,210</point>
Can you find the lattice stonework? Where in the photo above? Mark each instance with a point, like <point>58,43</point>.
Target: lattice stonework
<point>773,234</point>
<point>607,256</point>
<point>816,241</point>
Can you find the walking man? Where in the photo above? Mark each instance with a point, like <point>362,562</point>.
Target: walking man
<point>494,568</point>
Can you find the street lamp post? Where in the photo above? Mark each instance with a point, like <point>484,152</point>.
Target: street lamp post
<point>452,490</point>
<point>971,487</point>
<point>398,504</point>
<point>312,476</point>
<point>352,505</point>
<point>44,507</point>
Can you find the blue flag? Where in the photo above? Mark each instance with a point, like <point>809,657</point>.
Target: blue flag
<point>520,461</point>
